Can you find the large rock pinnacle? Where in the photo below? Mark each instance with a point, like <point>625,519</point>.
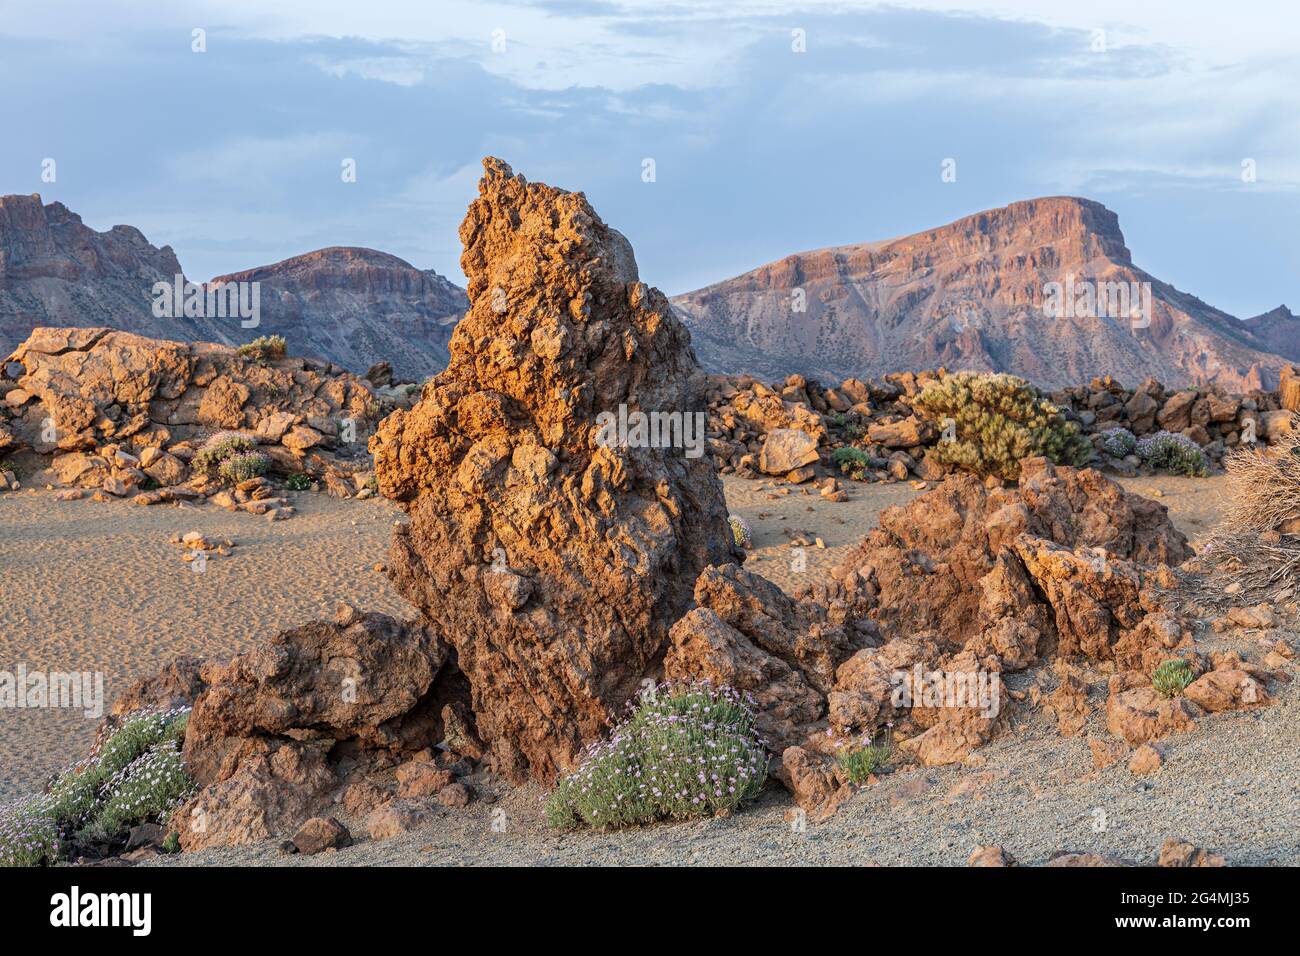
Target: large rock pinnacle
<point>553,554</point>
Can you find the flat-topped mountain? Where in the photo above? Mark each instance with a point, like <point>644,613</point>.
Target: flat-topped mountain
<point>971,295</point>
<point>350,306</point>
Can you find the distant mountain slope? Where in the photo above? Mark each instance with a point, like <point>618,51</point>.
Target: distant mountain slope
<point>1278,331</point>
<point>969,295</point>
<point>353,307</point>
<point>357,307</point>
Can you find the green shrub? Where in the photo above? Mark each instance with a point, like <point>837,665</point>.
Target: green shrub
<point>859,763</point>
<point>998,421</point>
<point>688,750</point>
<point>851,461</point>
<point>147,790</point>
<point>265,348</point>
<point>1172,677</point>
<point>1176,454</point>
<point>132,774</point>
<point>298,481</point>
<point>740,532</point>
<point>28,835</point>
<point>1118,442</point>
<point>207,460</point>
<point>243,465</point>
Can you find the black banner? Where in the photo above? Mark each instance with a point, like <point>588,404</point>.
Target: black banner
<point>144,905</point>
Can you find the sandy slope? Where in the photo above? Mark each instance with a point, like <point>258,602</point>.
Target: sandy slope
<point>90,586</point>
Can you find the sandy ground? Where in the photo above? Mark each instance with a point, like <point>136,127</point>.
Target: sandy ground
<point>97,587</point>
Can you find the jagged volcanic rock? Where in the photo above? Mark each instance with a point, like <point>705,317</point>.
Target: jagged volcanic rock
<point>556,565</point>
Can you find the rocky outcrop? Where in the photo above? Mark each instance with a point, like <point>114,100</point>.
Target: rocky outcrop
<point>1061,563</point>
<point>748,634</point>
<point>876,418</point>
<point>960,586</point>
<point>554,560</point>
<point>970,296</point>
<point>119,412</point>
<point>280,733</point>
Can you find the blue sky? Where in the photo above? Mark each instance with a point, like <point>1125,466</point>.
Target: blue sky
<point>233,156</point>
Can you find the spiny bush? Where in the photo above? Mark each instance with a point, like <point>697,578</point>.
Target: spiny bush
<point>853,462</point>
<point>996,422</point>
<point>1176,454</point>
<point>265,348</point>
<point>740,532</point>
<point>243,465</point>
<point>1172,677</point>
<point>133,774</point>
<point>687,750</point>
<point>298,481</point>
<point>207,460</point>
<point>1118,442</point>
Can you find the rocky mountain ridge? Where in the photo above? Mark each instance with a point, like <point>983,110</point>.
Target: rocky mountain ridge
<point>350,306</point>
<point>971,295</point>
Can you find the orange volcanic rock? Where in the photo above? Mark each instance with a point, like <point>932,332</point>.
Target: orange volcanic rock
<point>554,562</point>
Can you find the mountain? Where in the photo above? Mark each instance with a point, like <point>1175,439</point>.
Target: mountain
<point>1279,331</point>
<point>357,307</point>
<point>353,307</point>
<point>971,295</point>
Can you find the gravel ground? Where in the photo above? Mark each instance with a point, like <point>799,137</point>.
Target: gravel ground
<point>1232,785</point>
<point>100,585</point>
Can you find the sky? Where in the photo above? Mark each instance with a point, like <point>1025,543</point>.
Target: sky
<point>773,127</point>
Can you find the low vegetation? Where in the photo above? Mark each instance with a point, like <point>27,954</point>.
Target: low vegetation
<point>853,462</point>
<point>860,762</point>
<point>740,532</point>
<point>1172,677</point>
<point>1176,454</point>
<point>1118,442</point>
<point>265,348</point>
<point>1256,546</point>
<point>993,422</point>
<point>134,774</point>
<point>687,750</point>
<point>231,456</point>
<point>243,465</point>
<point>1264,486</point>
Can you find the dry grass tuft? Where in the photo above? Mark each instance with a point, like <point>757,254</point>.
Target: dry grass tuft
<point>1267,566</point>
<point>1264,486</point>
<point>1247,547</point>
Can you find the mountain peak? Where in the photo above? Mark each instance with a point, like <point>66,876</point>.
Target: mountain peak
<point>971,294</point>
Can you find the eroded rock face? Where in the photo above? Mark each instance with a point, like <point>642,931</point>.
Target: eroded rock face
<point>962,585</point>
<point>112,407</point>
<point>1060,564</point>
<point>282,730</point>
<point>555,564</point>
<point>748,634</point>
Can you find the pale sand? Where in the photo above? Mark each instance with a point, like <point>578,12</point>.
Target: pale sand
<point>90,586</point>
